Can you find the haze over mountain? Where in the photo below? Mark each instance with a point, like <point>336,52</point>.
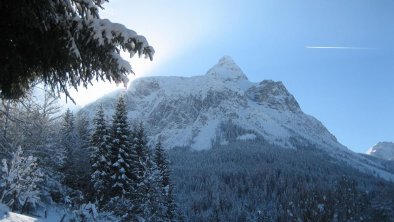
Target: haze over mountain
<point>196,112</point>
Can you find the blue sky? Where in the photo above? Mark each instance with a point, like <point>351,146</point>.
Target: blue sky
<point>351,90</point>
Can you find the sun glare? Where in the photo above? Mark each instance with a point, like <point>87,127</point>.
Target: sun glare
<point>84,96</point>
<point>163,34</point>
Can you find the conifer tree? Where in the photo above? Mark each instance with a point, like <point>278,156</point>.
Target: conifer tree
<point>166,203</point>
<point>68,136</point>
<point>100,158</point>
<point>83,132</point>
<point>122,155</point>
<point>71,167</point>
<point>81,153</point>
<point>162,165</point>
<point>68,143</point>
<point>144,184</point>
<point>171,213</point>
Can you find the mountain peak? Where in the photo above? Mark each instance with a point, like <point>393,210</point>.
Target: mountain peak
<point>226,69</point>
<point>384,150</point>
<point>226,59</point>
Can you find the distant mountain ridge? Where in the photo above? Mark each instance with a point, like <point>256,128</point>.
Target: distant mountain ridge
<point>191,112</point>
<point>383,150</point>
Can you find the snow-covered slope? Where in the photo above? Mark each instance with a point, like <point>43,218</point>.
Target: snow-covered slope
<point>384,150</point>
<point>14,217</point>
<point>54,213</point>
<point>191,112</point>
<point>187,111</point>
<point>7,216</point>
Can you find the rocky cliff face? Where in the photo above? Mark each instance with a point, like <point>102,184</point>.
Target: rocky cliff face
<point>274,95</point>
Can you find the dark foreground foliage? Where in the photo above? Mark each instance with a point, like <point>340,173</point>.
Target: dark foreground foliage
<point>62,44</point>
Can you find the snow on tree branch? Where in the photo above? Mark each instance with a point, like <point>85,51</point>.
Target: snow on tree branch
<point>19,180</point>
<point>64,44</point>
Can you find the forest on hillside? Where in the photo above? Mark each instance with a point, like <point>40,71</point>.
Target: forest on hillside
<point>256,181</point>
<point>80,163</point>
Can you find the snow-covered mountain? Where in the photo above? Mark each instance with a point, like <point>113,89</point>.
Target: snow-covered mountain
<point>194,112</point>
<point>384,150</point>
<point>187,111</point>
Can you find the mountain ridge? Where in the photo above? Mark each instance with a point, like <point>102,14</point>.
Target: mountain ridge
<point>223,93</point>
<point>191,112</point>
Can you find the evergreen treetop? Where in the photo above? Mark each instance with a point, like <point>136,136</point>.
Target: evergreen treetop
<point>122,156</point>
<point>100,157</point>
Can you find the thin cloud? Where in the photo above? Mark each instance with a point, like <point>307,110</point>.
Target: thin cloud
<point>337,47</point>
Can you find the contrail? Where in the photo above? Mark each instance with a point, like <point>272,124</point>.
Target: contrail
<point>336,47</point>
